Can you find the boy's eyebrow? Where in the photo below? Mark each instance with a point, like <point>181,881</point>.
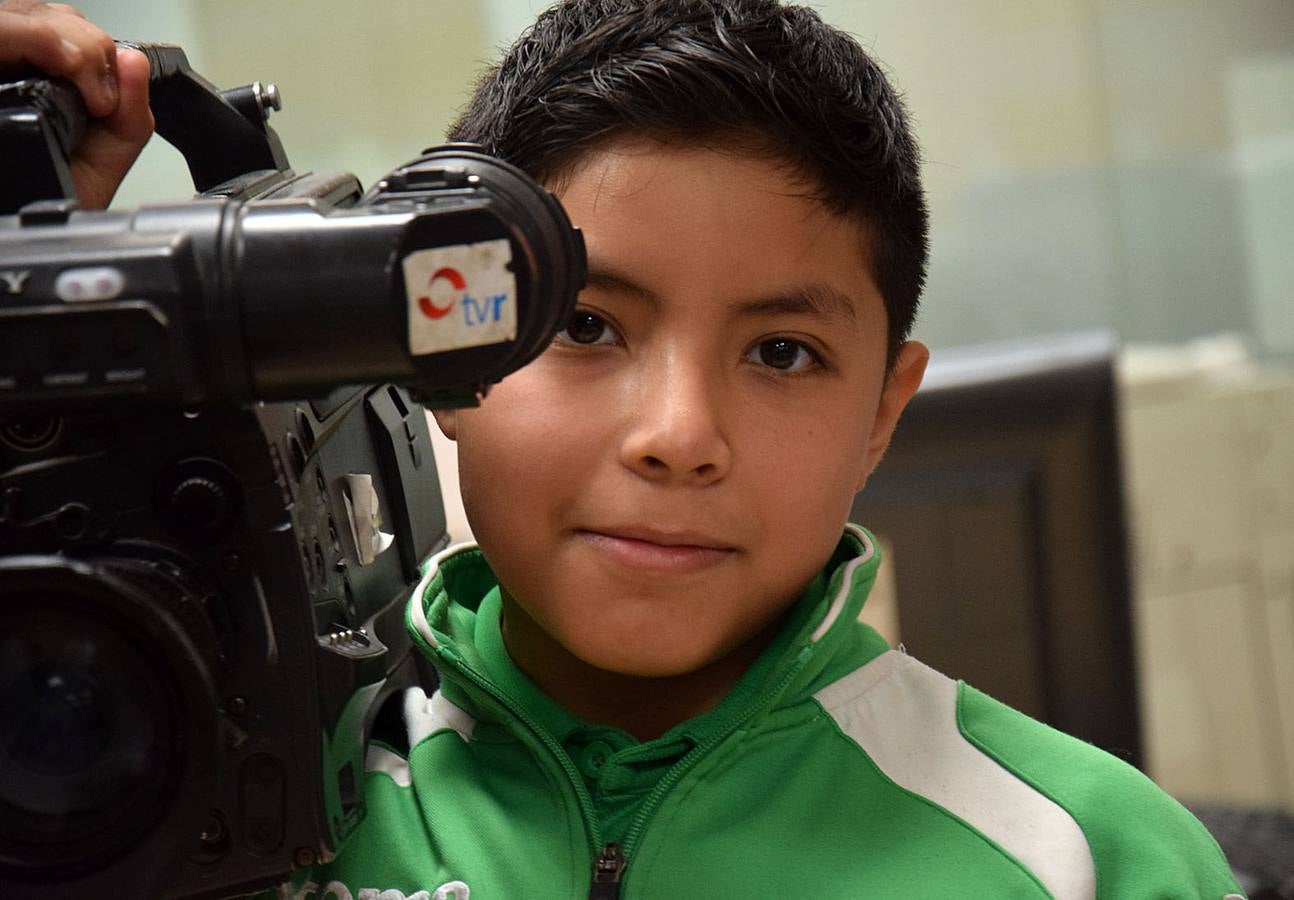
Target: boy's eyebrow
<point>821,300</point>
<point>610,280</point>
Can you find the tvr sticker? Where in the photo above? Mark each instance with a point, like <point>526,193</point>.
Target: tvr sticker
<point>460,296</point>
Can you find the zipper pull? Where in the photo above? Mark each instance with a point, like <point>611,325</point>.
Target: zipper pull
<point>607,869</point>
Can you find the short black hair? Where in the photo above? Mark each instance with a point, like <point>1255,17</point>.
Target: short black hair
<point>588,71</point>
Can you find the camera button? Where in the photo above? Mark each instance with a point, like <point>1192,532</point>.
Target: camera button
<point>88,285</point>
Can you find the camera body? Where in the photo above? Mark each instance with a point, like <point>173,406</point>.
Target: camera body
<point>195,648</point>
<point>217,484</point>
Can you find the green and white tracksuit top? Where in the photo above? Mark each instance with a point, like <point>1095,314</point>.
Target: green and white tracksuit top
<point>836,768</point>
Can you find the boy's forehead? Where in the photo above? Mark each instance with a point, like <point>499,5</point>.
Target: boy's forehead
<point>818,299</point>
<point>631,162</point>
<point>654,211</point>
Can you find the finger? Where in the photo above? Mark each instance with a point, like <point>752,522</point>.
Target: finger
<point>67,8</point>
<point>99,164</point>
<point>133,119</point>
<point>110,147</point>
<point>21,6</point>
<point>96,75</point>
<point>59,43</point>
<point>33,41</point>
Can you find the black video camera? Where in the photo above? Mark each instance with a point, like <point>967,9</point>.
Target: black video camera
<point>216,479</point>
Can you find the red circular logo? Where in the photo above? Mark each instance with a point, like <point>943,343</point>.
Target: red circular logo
<point>428,306</point>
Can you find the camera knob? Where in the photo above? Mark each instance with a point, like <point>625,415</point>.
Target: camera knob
<point>198,497</point>
<point>199,504</point>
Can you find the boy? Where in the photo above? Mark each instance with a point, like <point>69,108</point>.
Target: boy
<point>654,683</point>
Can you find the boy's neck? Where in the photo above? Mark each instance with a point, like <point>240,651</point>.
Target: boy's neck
<point>645,707</point>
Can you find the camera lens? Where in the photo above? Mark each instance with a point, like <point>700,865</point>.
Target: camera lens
<point>107,708</point>
<point>89,731</point>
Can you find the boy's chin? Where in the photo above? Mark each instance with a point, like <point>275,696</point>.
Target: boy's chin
<point>647,667</point>
<point>662,657</point>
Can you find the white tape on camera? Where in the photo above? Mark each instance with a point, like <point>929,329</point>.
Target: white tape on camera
<point>460,296</point>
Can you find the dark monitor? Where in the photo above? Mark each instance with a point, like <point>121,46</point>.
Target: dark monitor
<point>1001,500</point>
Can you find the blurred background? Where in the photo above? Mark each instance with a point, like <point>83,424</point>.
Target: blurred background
<point>1090,163</point>
<point>1123,165</point>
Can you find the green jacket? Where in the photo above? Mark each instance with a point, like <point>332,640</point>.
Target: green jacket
<point>836,768</point>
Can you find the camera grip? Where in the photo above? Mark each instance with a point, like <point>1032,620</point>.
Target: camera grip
<point>41,121</point>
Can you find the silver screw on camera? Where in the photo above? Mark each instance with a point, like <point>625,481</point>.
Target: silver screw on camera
<point>267,97</point>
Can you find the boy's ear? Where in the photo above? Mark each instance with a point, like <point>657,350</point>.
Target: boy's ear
<point>902,382</point>
<point>447,421</point>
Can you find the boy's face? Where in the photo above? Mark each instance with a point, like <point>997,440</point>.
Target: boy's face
<point>658,487</point>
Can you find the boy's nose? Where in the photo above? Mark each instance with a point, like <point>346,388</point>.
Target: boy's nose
<point>675,432</point>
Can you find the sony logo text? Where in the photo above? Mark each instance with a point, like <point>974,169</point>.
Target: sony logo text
<point>14,282</point>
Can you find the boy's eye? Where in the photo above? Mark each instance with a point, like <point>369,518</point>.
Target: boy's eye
<point>587,328</point>
<point>783,354</point>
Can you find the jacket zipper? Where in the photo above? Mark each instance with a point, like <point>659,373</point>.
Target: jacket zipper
<point>611,860</point>
<point>607,869</point>
<point>671,778</point>
<point>572,775</point>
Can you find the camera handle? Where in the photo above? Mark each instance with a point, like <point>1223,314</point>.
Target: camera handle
<point>220,134</point>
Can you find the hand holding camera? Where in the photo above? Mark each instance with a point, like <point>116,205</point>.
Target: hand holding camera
<point>58,41</point>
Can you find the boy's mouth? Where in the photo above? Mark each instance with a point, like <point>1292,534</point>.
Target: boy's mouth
<point>656,551</point>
